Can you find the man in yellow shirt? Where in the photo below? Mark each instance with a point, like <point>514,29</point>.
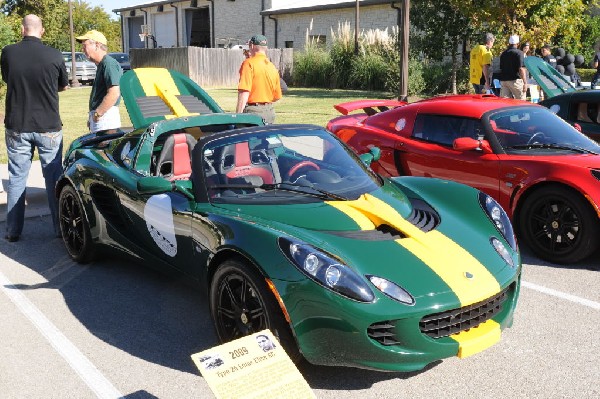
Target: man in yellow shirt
<point>259,85</point>
<point>481,65</point>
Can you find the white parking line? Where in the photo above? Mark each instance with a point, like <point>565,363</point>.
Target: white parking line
<point>559,294</point>
<point>77,360</point>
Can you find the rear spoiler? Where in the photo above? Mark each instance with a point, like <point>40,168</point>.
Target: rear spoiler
<point>370,107</point>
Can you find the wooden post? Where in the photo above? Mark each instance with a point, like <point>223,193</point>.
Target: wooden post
<point>404,38</point>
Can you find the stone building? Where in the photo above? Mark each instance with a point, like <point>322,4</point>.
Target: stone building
<point>223,23</point>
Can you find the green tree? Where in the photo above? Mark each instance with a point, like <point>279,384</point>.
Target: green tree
<point>537,21</point>
<point>441,27</point>
<point>55,17</point>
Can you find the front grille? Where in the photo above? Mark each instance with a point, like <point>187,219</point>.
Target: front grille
<point>383,333</point>
<point>443,324</point>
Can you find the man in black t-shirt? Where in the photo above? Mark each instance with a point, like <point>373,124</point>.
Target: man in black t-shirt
<point>547,56</point>
<point>34,74</point>
<point>513,75</point>
<point>596,64</point>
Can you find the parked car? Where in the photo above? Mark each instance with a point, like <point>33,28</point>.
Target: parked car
<point>581,108</point>
<point>86,69</point>
<point>543,172</point>
<point>123,60</point>
<point>287,229</point>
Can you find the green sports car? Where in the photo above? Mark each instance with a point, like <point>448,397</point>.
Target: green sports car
<point>286,228</point>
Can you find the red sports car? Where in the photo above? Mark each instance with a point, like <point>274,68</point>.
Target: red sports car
<point>543,172</point>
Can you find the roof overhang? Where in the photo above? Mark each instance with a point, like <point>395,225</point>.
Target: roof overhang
<point>323,7</point>
<point>145,5</point>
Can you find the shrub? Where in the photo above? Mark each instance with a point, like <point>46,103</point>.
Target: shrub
<point>312,68</point>
<point>585,74</point>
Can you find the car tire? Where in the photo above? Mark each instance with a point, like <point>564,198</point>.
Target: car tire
<point>242,304</point>
<point>559,225</point>
<point>74,226</point>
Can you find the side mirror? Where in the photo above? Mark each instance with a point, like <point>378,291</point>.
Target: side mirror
<point>373,155</point>
<point>470,144</point>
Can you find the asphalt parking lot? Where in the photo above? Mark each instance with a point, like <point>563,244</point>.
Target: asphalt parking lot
<point>114,328</point>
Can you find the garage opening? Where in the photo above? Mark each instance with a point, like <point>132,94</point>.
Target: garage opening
<point>197,23</point>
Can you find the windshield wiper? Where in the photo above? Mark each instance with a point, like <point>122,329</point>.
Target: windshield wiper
<point>295,188</point>
<point>555,147</point>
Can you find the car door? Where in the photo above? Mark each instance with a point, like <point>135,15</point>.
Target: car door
<point>429,153</point>
<point>158,223</point>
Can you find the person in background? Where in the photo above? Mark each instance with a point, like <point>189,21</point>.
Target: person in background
<point>34,74</point>
<point>104,113</point>
<point>259,86</point>
<point>480,64</point>
<point>547,55</point>
<point>596,64</point>
<point>514,75</point>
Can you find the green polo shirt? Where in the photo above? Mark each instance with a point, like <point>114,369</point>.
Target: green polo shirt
<point>108,74</point>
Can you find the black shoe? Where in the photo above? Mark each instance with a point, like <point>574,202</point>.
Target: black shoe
<point>11,238</point>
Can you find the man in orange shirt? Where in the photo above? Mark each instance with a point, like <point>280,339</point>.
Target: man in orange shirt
<point>259,85</point>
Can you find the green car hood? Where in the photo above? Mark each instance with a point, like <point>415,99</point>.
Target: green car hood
<point>423,263</point>
<point>153,94</point>
<point>551,81</point>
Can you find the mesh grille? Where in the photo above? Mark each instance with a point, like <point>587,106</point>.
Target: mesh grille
<point>443,324</point>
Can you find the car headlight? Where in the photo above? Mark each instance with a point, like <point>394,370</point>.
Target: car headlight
<point>326,270</point>
<point>392,290</point>
<point>502,251</point>
<point>500,219</point>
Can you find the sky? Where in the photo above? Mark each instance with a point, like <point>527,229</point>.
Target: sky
<point>110,5</point>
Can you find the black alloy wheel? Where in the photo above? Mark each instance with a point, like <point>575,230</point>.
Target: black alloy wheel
<point>559,225</point>
<point>74,227</point>
<point>241,304</point>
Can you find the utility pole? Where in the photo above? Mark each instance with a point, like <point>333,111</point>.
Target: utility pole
<point>404,30</point>
<point>356,27</point>
<point>74,81</point>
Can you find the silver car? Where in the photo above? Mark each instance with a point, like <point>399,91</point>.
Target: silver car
<point>86,69</point>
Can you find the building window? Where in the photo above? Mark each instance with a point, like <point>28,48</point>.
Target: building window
<point>318,40</point>
<point>289,44</point>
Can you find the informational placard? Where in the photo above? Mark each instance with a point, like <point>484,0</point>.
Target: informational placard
<point>254,366</point>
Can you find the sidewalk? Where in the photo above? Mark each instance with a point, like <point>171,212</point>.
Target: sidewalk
<point>36,199</point>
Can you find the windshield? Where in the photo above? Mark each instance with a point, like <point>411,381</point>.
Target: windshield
<point>79,57</point>
<point>120,57</point>
<point>283,166</point>
<point>537,131</point>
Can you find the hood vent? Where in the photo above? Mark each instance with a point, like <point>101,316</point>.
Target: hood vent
<point>383,232</point>
<point>423,216</point>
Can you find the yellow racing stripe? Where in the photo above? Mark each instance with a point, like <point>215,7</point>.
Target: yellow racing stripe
<point>159,82</point>
<point>446,258</point>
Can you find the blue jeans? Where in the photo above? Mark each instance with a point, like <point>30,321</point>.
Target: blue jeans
<point>20,147</point>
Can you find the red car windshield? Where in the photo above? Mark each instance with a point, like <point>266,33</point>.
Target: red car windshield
<point>536,130</point>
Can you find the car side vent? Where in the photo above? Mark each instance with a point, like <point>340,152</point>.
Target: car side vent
<point>108,206</point>
<point>423,216</point>
<point>383,332</point>
<point>383,232</point>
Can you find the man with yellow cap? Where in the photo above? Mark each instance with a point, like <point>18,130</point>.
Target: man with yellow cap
<point>105,97</point>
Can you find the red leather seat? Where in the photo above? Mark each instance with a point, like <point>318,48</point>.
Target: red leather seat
<point>175,161</point>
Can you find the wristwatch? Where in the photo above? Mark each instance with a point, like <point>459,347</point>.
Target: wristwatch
<point>97,115</point>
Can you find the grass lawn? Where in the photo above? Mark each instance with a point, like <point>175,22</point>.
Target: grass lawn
<point>298,105</point>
